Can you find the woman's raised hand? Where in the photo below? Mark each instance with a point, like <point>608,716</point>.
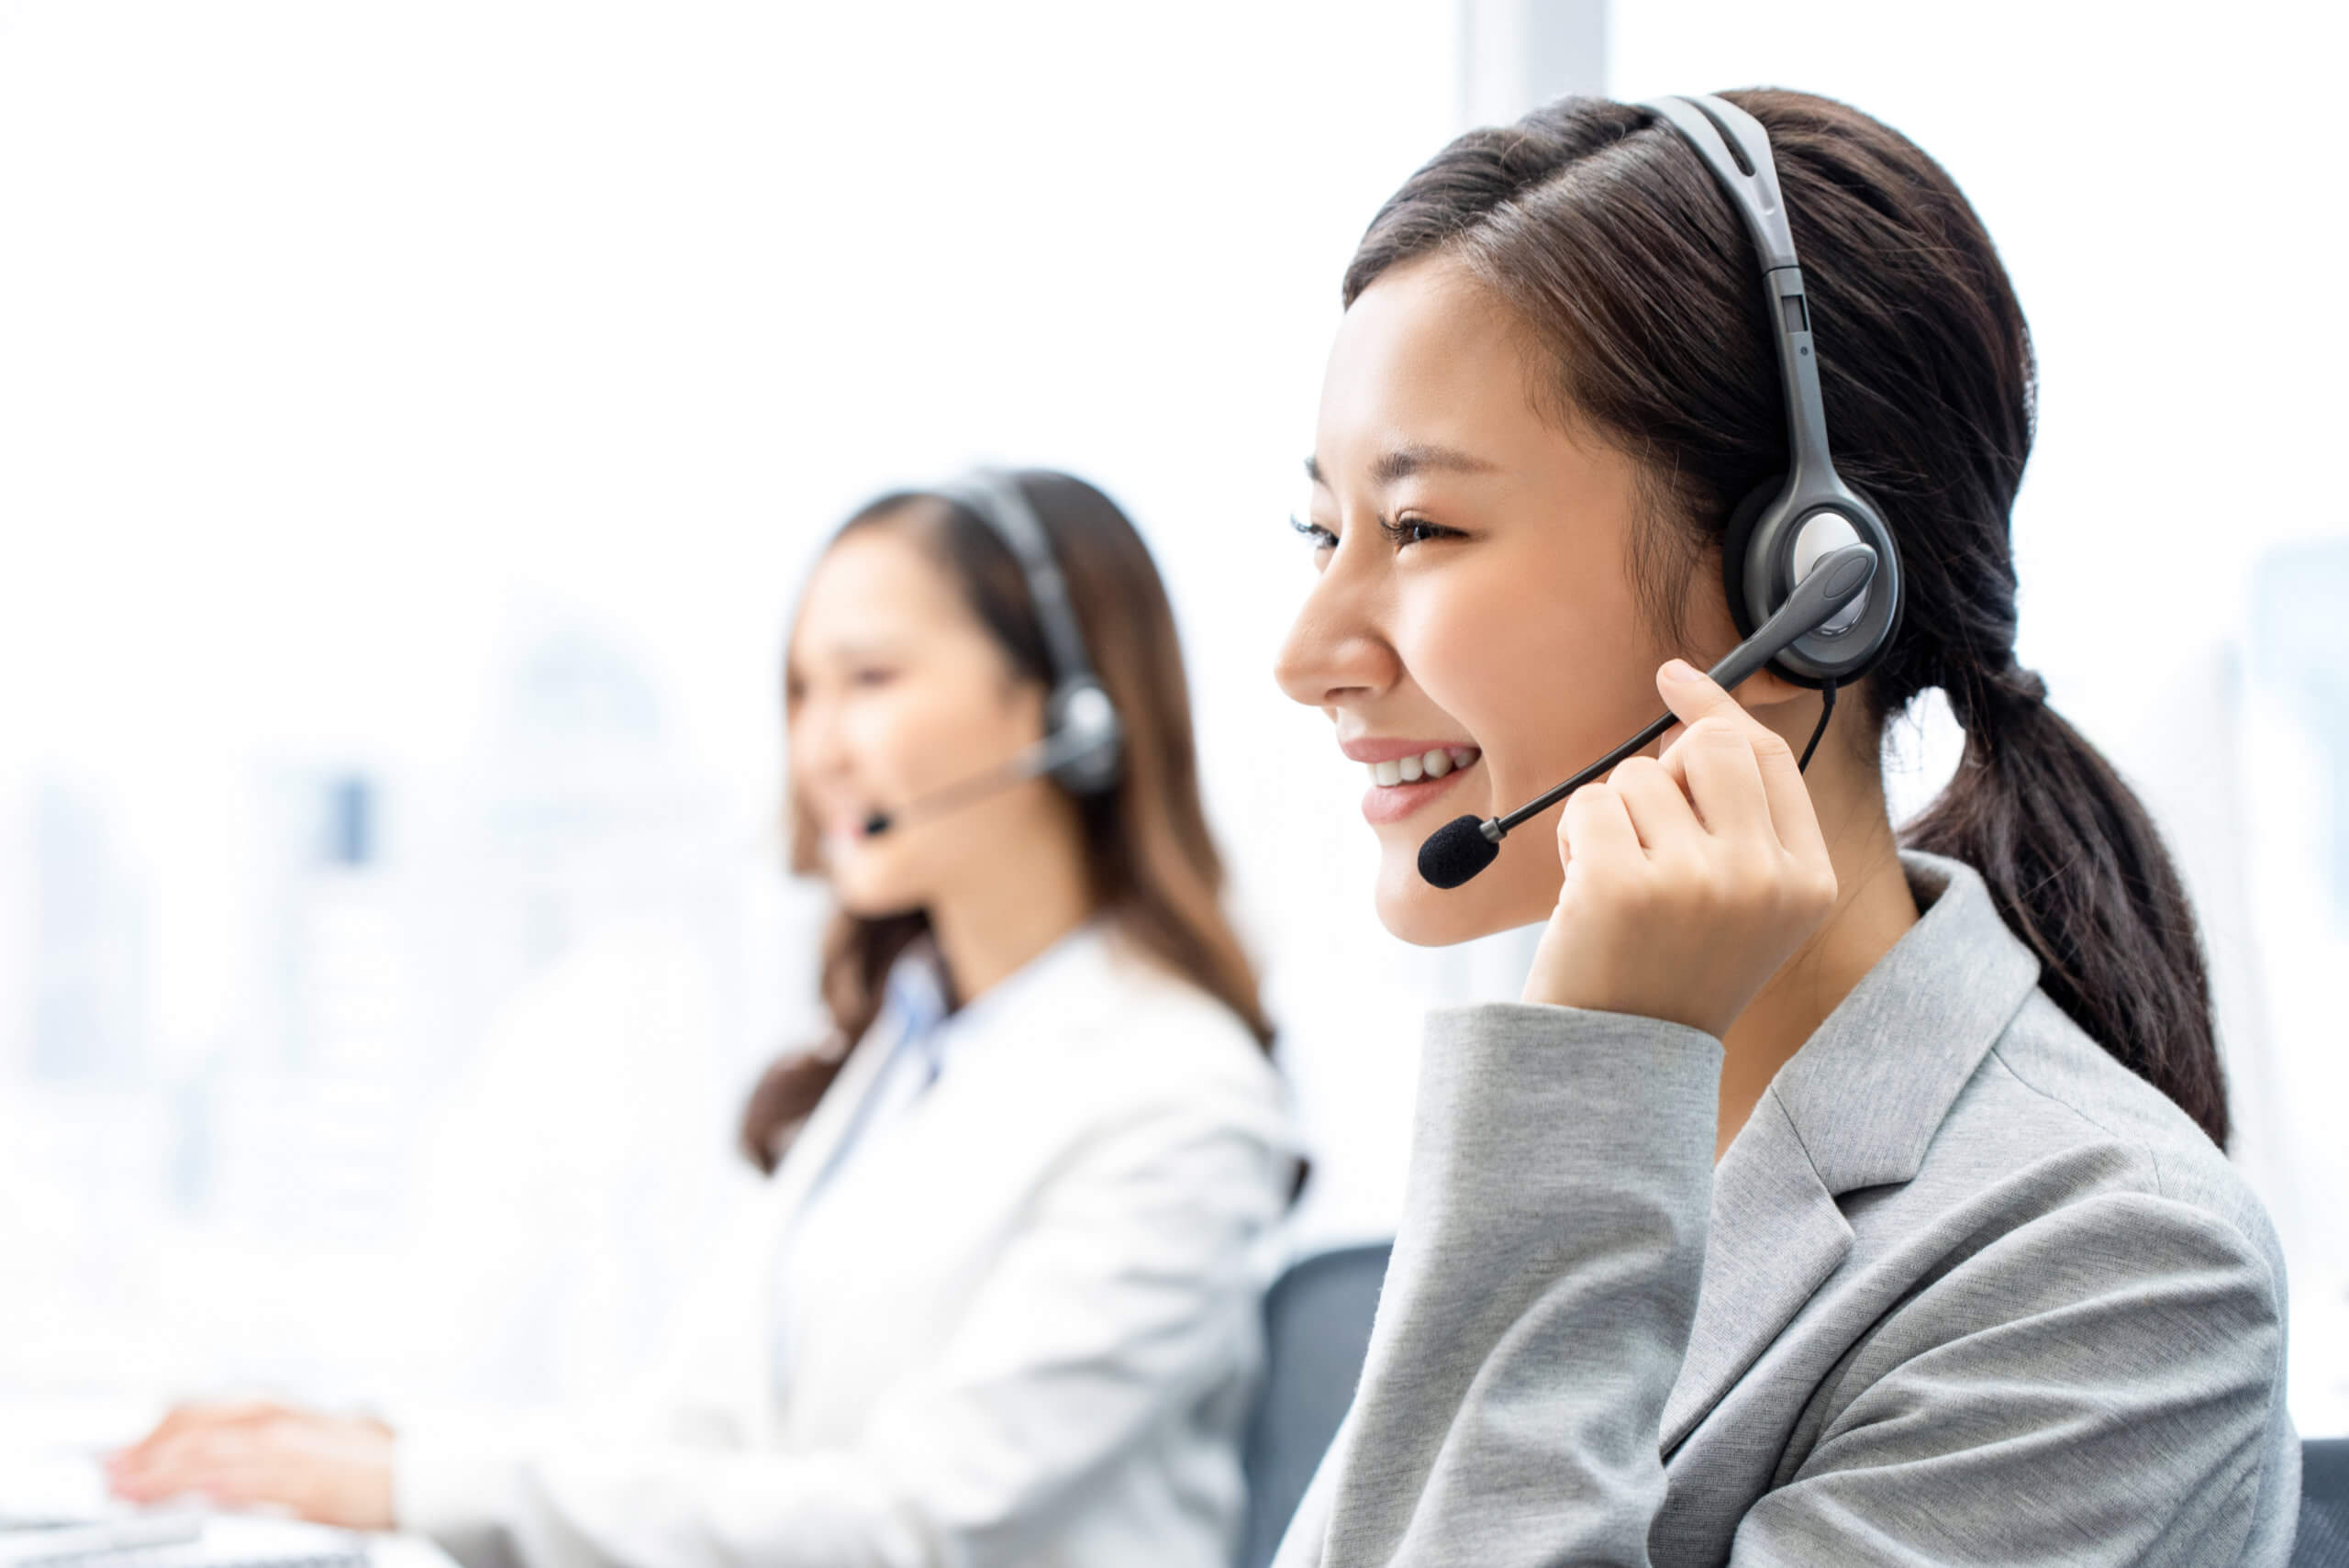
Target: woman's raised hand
<point>1690,877</point>
<point>336,1470</point>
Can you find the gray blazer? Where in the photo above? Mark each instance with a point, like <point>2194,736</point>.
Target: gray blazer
<point>1963,1290</point>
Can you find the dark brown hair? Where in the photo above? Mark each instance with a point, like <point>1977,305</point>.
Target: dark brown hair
<point>1156,876</point>
<point>1618,251</point>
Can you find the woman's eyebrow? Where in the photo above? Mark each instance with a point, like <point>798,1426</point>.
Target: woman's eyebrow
<point>858,646</point>
<point>1399,463</point>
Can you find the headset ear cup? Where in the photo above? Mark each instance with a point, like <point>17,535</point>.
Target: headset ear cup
<point>1083,711</point>
<point>1737,540</point>
<point>1891,581</point>
<point>1756,526</point>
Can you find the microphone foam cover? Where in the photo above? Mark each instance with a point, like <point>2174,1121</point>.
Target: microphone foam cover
<point>1455,852</point>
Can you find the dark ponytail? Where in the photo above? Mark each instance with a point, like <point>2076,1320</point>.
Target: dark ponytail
<point>1601,231</point>
<point>2078,869</point>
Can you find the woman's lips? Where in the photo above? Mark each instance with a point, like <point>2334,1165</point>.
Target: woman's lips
<point>1382,803</point>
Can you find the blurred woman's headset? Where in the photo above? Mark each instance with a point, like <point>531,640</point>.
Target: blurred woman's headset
<point>1082,746</point>
<point>1081,730</point>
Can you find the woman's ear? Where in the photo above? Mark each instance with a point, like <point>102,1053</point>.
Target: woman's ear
<point>1788,708</point>
<point>1793,711</point>
<point>1779,703</point>
<point>1765,691</point>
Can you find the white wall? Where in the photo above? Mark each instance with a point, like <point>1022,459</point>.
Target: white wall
<point>451,395</point>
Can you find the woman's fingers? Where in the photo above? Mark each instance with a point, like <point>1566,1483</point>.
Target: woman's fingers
<point>182,1419</point>
<point>1595,830</point>
<point>332,1469</point>
<point>1697,701</point>
<point>1690,879</point>
<point>176,1421</point>
<point>189,1448</point>
<point>1714,763</point>
<point>1658,808</point>
<point>174,1465</point>
<point>236,1468</point>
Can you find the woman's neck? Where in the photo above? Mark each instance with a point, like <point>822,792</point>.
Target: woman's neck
<point>994,927</point>
<point>1873,909</point>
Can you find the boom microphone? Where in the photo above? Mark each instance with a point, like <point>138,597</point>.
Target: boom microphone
<point>1032,762</point>
<point>1460,848</point>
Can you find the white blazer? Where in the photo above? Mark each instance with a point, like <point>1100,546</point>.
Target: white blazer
<point>1028,1329</point>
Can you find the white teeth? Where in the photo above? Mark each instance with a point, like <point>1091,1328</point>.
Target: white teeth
<point>1434,764</point>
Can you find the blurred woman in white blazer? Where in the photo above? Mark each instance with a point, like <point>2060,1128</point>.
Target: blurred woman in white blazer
<point>997,1302</point>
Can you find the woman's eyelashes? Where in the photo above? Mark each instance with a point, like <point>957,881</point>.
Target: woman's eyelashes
<point>1405,531</point>
<point>1401,532</point>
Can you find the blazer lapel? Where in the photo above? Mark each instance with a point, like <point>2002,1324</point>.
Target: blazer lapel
<point>787,1195</point>
<point>1777,1235</point>
<point>812,1150</point>
<point>1856,1108</point>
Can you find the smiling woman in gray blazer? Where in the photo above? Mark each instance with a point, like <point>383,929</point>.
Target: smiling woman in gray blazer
<point>1825,1199</point>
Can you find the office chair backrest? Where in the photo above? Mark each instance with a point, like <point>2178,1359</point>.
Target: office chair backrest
<point>1317,1330</point>
<point>2324,1505</point>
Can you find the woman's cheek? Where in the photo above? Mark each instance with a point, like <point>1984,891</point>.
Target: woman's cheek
<point>902,751</point>
<point>1476,657</point>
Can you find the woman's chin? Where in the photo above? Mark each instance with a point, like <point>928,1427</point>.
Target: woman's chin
<point>865,888</point>
<point>1516,890</point>
<point>1430,917</point>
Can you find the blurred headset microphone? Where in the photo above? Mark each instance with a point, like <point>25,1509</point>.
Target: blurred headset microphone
<point>1087,726</point>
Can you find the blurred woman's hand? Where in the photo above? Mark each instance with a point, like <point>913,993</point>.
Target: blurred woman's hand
<point>335,1470</point>
<point>1690,878</point>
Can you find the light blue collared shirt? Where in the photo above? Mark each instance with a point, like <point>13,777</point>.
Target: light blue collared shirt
<point>918,1006</point>
<point>930,1031</point>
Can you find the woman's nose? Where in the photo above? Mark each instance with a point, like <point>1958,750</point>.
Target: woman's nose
<point>1335,647</point>
<point>814,739</point>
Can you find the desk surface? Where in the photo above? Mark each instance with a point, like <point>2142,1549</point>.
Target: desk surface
<point>233,1540</point>
<point>407,1552</point>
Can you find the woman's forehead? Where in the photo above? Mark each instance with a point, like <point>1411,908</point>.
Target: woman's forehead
<point>880,589</point>
<point>879,575</point>
<point>1426,361</point>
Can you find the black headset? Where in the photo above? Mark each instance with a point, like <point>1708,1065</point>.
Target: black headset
<point>1777,532</point>
<point>1082,748</point>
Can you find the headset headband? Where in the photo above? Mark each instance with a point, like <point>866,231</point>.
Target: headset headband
<point>997,499</point>
<point>1737,150</point>
<point>1772,539</point>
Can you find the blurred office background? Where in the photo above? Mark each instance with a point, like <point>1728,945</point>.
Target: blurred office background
<point>415,421</point>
